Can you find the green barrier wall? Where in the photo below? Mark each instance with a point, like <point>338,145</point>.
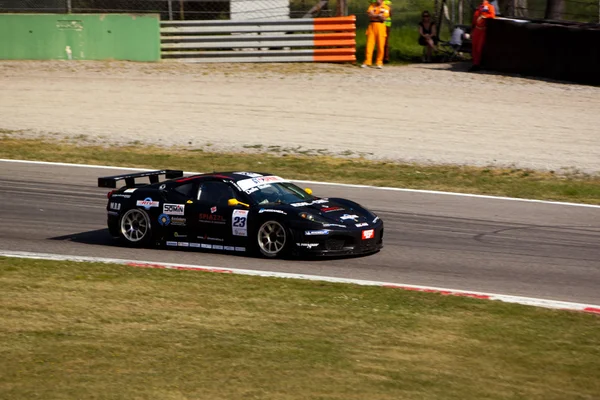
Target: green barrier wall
<point>79,37</point>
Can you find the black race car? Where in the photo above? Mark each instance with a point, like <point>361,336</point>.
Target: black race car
<point>237,212</point>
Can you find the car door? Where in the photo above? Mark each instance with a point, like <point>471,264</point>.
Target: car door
<point>218,224</point>
<point>177,211</point>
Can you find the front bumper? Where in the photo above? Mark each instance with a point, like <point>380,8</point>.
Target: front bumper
<point>340,242</point>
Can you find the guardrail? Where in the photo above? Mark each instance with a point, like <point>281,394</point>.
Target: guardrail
<point>291,40</point>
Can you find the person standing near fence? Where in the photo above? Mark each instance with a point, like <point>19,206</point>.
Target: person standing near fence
<point>376,33</point>
<point>388,31</point>
<point>484,12</point>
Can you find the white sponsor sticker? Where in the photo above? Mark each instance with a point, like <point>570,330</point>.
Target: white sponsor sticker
<point>114,206</point>
<point>338,225</point>
<point>307,245</point>
<point>246,184</point>
<point>304,203</point>
<point>348,216</point>
<point>206,246</point>
<point>174,209</point>
<point>239,223</point>
<point>217,247</point>
<point>147,203</point>
<point>361,224</point>
<point>250,174</point>
<point>171,243</point>
<point>183,244</point>
<point>240,249</point>
<point>194,244</point>
<point>229,248</point>
<point>313,233</point>
<point>130,190</point>
<point>269,210</point>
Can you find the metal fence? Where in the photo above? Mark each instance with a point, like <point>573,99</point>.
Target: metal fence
<point>177,9</point>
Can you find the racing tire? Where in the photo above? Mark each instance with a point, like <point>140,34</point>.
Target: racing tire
<point>272,239</point>
<point>135,228</point>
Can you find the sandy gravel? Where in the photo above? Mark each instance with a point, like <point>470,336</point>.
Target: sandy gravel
<point>434,113</point>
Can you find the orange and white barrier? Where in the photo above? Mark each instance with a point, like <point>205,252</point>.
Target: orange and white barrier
<point>290,40</point>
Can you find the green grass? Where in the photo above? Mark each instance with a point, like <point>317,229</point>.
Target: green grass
<point>310,165</point>
<point>100,331</point>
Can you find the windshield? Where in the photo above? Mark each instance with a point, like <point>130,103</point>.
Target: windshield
<point>280,193</point>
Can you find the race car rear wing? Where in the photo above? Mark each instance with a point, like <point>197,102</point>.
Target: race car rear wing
<point>111,181</point>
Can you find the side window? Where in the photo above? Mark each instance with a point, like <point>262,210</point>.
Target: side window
<point>215,193</point>
<point>186,190</point>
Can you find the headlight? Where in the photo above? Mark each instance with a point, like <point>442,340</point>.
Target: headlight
<point>313,218</point>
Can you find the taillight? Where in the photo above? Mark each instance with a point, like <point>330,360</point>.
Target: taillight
<point>110,194</point>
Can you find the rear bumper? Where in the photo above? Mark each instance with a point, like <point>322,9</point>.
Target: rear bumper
<point>340,242</point>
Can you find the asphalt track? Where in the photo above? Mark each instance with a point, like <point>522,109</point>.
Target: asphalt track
<point>548,251</point>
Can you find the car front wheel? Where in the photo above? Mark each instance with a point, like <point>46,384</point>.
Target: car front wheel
<point>272,239</point>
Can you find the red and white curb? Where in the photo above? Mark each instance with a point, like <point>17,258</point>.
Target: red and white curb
<point>528,301</point>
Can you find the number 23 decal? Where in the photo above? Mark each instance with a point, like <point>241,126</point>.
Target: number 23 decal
<point>239,223</point>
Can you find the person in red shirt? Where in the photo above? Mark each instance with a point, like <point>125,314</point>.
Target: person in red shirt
<point>482,14</point>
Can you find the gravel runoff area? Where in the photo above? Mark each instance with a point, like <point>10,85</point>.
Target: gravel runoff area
<point>436,113</point>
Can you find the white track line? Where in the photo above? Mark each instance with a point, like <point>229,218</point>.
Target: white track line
<point>349,185</point>
<point>528,301</point>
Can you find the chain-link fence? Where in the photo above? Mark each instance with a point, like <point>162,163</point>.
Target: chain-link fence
<point>174,9</point>
<point>458,11</point>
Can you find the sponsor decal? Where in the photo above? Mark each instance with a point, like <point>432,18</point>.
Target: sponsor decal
<point>304,203</point>
<point>179,235</point>
<point>307,245</point>
<point>171,243</point>
<point>264,210</point>
<point>229,248</point>
<point>240,249</point>
<point>206,237</point>
<point>178,221</point>
<point>248,174</point>
<point>211,219</point>
<point>174,209</point>
<point>164,219</point>
<point>250,191</point>
<point>147,203</point>
<point>314,233</point>
<point>130,190</point>
<point>217,247</point>
<point>362,224</point>
<point>213,210</point>
<point>112,213</point>
<point>125,196</point>
<point>246,184</point>
<point>368,234</point>
<point>331,209</point>
<point>239,223</point>
<point>114,206</point>
<point>197,245</point>
<point>206,246</point>
<point>337,225</point>
<point>348,216</point>
<point>183,244</point>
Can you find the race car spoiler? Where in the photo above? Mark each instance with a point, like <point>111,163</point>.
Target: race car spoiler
<point>111,181</point>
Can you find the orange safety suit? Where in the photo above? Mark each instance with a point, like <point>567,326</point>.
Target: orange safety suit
<point>482,13</point>
<point>376,32</point>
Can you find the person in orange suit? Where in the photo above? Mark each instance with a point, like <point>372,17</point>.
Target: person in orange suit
<point>376,33</point>
<point>484,12</point>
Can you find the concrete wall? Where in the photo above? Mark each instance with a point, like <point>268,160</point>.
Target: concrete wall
<point>79,37</point>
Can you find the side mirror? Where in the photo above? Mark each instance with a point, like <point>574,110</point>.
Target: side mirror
<point>235,202</point>
<point>308,190</point>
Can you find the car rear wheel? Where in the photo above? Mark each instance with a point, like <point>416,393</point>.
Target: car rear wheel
<point>272,239</point>
<point>135,227</point>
